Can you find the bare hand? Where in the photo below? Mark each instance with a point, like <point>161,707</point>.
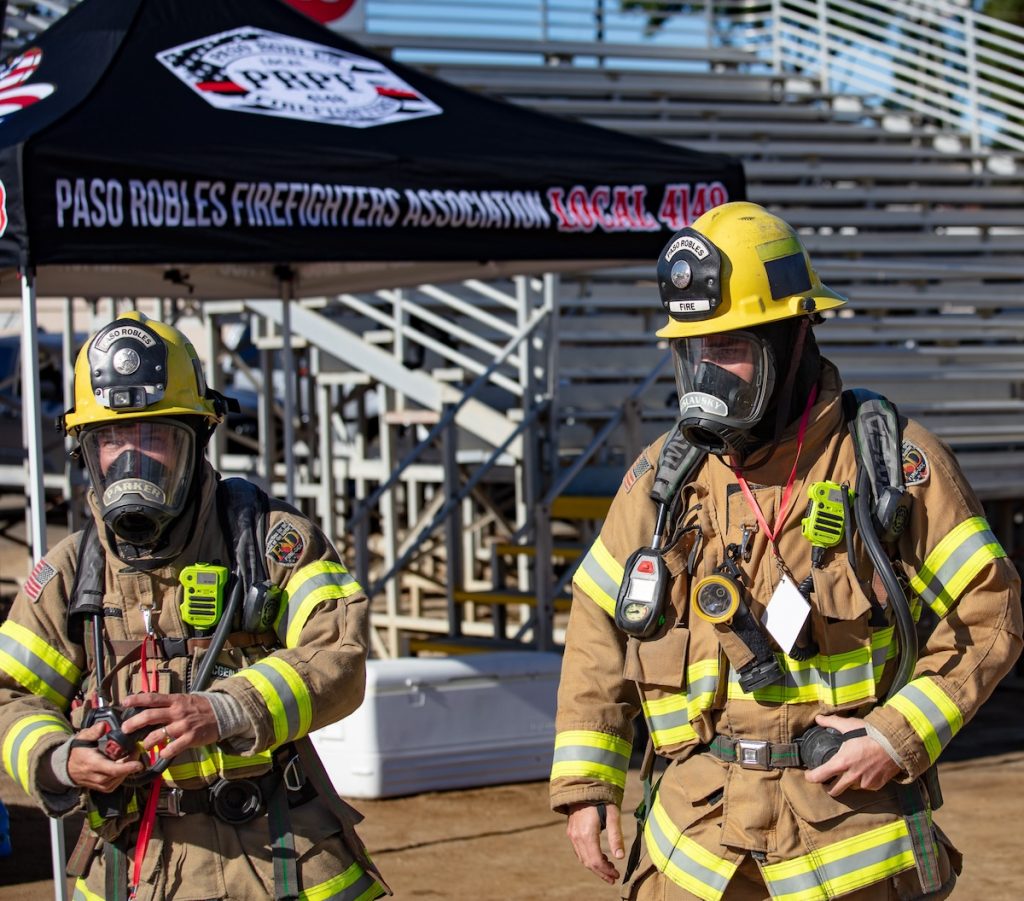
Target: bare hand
<point>859,763</point>
<point>180,722</point>
<point>91,769</point>
<point>584,831</point>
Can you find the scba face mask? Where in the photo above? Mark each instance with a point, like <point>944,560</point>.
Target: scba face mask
<point>141,471</point>
<point>725,382</point>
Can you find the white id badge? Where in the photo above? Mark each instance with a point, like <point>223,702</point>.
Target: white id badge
<point>786,614</point>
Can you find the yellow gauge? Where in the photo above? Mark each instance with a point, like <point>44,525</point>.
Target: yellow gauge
<point>716,598</point>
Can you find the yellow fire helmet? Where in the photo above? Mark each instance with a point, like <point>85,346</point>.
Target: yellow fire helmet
<point>138,367</point>
<point>737,267</point>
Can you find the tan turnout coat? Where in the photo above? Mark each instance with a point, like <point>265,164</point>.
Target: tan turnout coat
<point>709,816</point>
<point>311,673</point>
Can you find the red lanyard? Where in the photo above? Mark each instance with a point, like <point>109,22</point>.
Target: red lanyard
<point>787,494</point>
<point>149,812</point>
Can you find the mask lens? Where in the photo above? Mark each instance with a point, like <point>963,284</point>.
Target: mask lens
<point>140,471</point>
<point>720,374</point>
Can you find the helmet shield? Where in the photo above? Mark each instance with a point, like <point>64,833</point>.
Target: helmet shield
<point>724,381</point>
<point>141,471</point>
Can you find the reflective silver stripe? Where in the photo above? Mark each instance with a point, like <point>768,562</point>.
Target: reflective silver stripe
<point>320,580</point>
<point>671,719</point>
<point>17,767</point>
<point>670,854</point>
<point>355,891</point>
<point>846,865</point>
<point>37,666</point>
<point>573,753</point>
<point>284,691</point>
<point>599,575</point>
<point>934,592</point>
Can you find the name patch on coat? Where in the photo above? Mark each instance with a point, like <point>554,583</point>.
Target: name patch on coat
<point>638,468</point>
<point>915,465</point>
<point>285,544</point>
<point>41,574</point>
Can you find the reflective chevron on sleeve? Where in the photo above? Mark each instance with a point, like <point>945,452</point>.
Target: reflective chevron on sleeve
<point>322,581</point>
<point>22,737</point>
<point>580,754</point>
<point>843,866</point>
<point>931,713</point>
<point>285,694</point>
<point>957,559</point>
<point>37,666</point>
<point>689,865</point>
<point>599,576</point>
<point>354,884</point>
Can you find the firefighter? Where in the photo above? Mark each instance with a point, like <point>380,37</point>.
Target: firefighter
<point>211,788</point>
<point>800,747</point>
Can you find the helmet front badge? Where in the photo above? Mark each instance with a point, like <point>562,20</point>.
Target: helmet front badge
<point>681,274</point>
<point>126,361</point>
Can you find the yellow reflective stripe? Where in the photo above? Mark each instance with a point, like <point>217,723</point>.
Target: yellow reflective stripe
<point>22,737</point>
<point>688,864</point>
<point>211,762</point>
<point>668,720</point>
<point>931,713</point>
<point>599,576</point>
<point>285,694</point>
<point>37,666</point>
<point>833,680</point>
<point>324,580</point>
<point>82,892</point>
<point>591,755</point>
<point>355,884</point>
<point>843,866</point>
<point>954,562</point>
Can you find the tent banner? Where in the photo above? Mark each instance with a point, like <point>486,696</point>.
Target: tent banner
<point>113,203</point>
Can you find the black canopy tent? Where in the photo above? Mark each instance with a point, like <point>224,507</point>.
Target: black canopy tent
<point>188,148</point>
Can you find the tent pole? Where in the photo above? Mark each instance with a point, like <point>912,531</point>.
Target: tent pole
<point>288,364</point>
<point>37,497</point>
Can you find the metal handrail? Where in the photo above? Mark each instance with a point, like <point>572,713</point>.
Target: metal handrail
<point>445,421</point>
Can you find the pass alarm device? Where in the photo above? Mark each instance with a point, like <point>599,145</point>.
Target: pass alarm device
<point>203,601</point>
<point>639,609</point>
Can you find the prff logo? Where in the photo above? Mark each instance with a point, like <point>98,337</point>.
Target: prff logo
<point>255,71</point>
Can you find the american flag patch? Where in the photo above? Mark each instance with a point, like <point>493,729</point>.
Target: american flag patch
<point>641,466</point>
<point>42,574</point>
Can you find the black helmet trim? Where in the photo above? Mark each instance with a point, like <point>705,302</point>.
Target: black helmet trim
<point>690,276</point>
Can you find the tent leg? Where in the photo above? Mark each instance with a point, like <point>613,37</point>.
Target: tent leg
<point>288,364</point>
<point>37,497</point>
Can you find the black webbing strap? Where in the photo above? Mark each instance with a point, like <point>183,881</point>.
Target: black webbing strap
<point>115,863</point>
<point>347,816</point>
<point>282,845</point>
<point>922,838</point>
<point>643,809</point>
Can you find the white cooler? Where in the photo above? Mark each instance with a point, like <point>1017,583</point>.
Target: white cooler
<point>452,722</point>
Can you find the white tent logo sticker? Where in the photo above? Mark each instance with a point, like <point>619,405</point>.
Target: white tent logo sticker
<point>255,71</point>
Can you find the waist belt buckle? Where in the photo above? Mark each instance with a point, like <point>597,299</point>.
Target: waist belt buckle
<point>169,803</point>
<point>752,754</point>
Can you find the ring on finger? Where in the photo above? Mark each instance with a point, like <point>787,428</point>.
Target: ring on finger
<point>167,736</point>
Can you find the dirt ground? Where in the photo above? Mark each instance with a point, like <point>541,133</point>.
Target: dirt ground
<point>503,843</point>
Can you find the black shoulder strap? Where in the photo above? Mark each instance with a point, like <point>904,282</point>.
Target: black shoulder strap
<point>677,462</point>
<point>242,509</point>
<point>87,588</point>
<point>878,444</point>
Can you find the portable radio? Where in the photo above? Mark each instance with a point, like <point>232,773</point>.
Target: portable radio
<point>203,600</point>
